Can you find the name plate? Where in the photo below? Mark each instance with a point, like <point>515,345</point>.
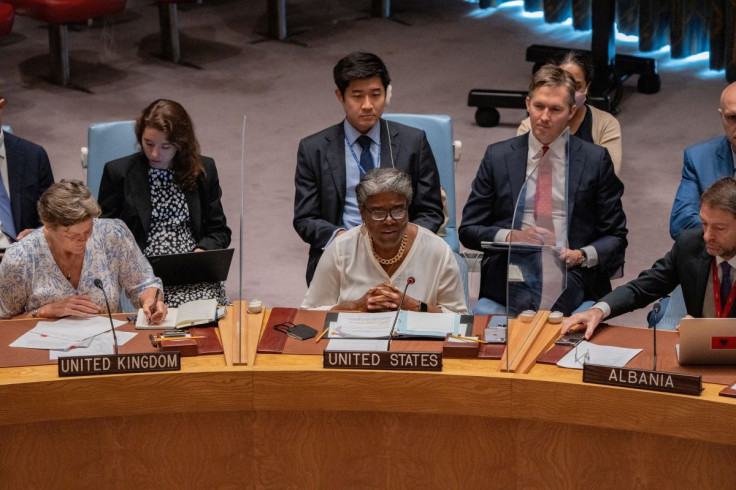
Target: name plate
<point>143,362</point>
<point>392,361</point>
<point>643,379</point>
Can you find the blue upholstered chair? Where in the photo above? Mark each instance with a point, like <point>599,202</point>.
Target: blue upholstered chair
<point>672,310</point>
<point>439,134</point>
<point>105,142</point>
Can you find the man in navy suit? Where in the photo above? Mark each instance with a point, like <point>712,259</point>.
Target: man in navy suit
<point>704,164</point>
<point>26,174</point>
<point>596,223</point>
<point>331,162</point>
<point>701,261</point>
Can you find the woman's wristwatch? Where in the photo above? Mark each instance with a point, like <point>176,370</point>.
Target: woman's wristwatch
<point>422,306</point>
<point>34,313</point>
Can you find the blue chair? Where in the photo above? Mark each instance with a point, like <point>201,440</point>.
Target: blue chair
<point>672,310</point>
<point>439,134</point>
<point>105,142</point>
<point>7,129</point>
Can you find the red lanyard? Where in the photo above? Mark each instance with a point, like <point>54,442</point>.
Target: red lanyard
<point>717,294</point>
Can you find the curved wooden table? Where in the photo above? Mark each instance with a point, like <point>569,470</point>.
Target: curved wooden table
<point>287,423</point>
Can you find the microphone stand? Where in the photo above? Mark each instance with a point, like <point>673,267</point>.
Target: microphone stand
<point>653,325</point>
<point>98,283</point>
<point>409,281</point>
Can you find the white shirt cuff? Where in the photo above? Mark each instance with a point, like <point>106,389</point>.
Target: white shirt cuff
<point>592,255</point>
<point>604,308</point>
<point>501,236</point>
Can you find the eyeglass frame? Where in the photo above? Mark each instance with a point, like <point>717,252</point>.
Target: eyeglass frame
<point>386,213</point>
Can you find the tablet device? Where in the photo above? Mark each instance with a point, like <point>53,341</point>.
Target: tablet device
<point>707,341</point>
<point>192,267</point>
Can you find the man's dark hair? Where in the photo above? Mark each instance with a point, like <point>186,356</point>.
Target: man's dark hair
<point>359,66</point>
<point>721,195</point>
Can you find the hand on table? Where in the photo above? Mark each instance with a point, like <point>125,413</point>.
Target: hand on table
<point>72,306</point>
<point>588,318</point>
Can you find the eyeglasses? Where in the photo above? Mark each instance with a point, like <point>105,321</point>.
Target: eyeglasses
<point>583,358</point>
<point>381,214</point>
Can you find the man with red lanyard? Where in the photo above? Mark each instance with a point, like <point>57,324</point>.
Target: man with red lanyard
<point>702,261</point>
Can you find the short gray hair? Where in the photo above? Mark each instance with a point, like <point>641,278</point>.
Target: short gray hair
<point>67,203</point>
<point>380,180</point>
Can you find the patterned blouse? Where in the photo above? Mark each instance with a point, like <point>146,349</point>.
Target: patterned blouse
<point>31,278</point>
<point>171,233</point>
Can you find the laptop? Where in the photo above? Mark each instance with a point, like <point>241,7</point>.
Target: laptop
<point>707,341</point>
<point>192,267</point>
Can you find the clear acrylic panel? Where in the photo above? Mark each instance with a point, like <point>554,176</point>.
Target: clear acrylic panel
<point>537,272</point>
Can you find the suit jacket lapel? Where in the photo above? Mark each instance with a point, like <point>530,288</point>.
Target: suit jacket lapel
<point>724,160</point>
<point>389,146</point>
<point>335,161</point>
<point>702,272</point>
<point>516,167</point>
<point>15,175</point>
<point>574,174</point>
<point>138,179</point>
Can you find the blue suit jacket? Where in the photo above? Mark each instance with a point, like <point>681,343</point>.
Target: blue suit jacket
<point>320,182</point>
<point>29,175</point>
<point>704,164</point>
<point>595,214</point>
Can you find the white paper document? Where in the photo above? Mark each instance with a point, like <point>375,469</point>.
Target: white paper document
<point>602,355</point>
<point>358,345</point>
<point>102,344</point>
<point>75,328</point>
<point>442,323</point>
<point>362,325</point>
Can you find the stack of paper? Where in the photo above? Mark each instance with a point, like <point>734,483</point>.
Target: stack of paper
<point>73,336</point>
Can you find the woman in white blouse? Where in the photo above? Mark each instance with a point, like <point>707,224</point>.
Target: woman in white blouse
<point>52,272</point>
<point>367,267</point>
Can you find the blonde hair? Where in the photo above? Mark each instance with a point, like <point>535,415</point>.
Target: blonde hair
<point>67,203</point>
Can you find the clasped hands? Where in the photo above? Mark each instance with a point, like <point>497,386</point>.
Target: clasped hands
<point>384,297</point>
<point>542,236</point>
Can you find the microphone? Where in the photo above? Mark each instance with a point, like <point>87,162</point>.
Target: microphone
<point>653,325</point>
<point>409,281</point>
<point>98,283</point>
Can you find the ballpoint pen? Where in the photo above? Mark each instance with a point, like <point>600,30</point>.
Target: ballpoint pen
<point>159,339</point>
<point>322,335</point>
<point>153,307</point>
<point>470,339</point>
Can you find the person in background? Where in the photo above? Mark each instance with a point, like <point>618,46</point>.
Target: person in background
<point>704,164</point>
<point>330,163</point>
<point>367,268</point>
<point>588,123</point>
<point>168,194</point>
<point>52,272</point>
<point>26,173</point>
<point>595,241</point>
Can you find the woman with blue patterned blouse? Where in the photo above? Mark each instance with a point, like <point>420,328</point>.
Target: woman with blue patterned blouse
<point>51,273</point>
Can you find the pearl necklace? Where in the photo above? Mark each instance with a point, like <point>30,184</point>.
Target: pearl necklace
<point>393,259</point>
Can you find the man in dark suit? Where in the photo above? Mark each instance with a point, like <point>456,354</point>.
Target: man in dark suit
<point>705,163</point>
<point>702,261</point>
<point>596,224</point>
<point>29,174</point>
<point>331,162</point>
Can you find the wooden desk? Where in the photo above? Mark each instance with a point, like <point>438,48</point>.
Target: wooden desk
<point>287,423</point>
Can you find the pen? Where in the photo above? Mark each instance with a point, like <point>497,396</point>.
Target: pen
<point>322,335</point>
<point>153,308</point>
<point>468,338</point>
<point>159,339</point>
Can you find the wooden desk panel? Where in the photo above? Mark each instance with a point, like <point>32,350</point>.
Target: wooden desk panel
<point>286,422</point>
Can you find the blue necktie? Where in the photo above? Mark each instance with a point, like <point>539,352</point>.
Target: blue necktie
<point>6,214</point>
<point>366,159</point>
<point>725,284</point>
